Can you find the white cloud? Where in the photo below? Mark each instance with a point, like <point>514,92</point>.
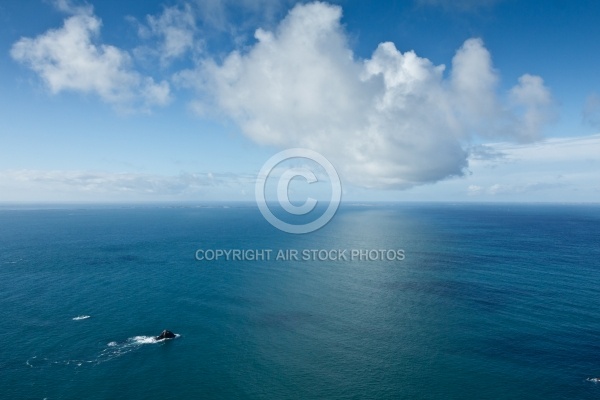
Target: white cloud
<point>191,29</point>
<point>556,169</point>
<point>68,59</point>
<point>474,190</point>
<point>550,152</point>
<point>535,103</point>
<point>474,82</point>
<point>68,7</point>
<point>526,189</point>
<point>391,121</point>
<point>553,170</point>
<point>196,26</point>
<point>176,31</point>
<point>18,185</point>
<point>220,14</point>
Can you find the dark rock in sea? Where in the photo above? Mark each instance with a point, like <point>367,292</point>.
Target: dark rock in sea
<point>165,335</point>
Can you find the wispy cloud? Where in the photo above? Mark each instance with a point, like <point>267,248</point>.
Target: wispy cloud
<point>591,110</point>
<point>174,33</point>
<point>69,7</point>
<point>224,15</point>
<point>484,152</point>
<point>17,185</point>
<point>558,169</point>
<point>197,27</point>
<point>552,170</point>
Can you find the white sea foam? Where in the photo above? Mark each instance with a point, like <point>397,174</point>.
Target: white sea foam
<point>117,349</point>
<point>595,380</point>
<point>142,340</point>
<point>80,317</point>
<point>147,339</point>
<point>37,362</point>
<point>13,261</point>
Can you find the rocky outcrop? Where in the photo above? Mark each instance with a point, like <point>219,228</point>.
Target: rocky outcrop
<point>165,335</point>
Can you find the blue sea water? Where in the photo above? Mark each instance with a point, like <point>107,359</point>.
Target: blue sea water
<point>490,302</point>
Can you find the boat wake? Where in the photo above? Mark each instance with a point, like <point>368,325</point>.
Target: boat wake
<point>595,380</point>
<point>112,351</point>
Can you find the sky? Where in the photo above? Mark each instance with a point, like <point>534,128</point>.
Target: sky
<point>185,100</point>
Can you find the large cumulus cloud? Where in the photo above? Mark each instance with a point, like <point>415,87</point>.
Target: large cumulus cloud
<point>394,120</point>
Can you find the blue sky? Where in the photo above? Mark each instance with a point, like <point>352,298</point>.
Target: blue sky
<point>490,100</point>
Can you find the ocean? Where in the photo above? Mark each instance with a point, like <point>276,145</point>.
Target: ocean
<point>446,301</point>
